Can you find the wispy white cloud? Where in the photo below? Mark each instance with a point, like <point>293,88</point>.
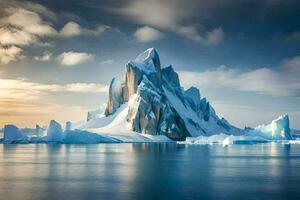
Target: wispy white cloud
<point>21,27</point>
<point>45,57</point>
<point>24,102</point>
<point>282,81</point>
<point>214,37</point>
<point>147,34</point>
<point>25,89</point>
<point>107,62</point>
<point>13,36</point>
<point>72,29</point>
<point>85,87</point>
<point>39,9</point>
<point>98,30</point>
<point>28,21</point>
<point>74,58</point>
<point>28,113</point>
<point>24,23</point>
<point>169,16</point>
<point>210,38</point>
<point>9,54</point>
<point>292,65</point>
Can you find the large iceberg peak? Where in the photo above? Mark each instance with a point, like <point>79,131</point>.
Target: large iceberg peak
<point>146,56</point>
<point>148,61</point>
<point>158,105</point>
<point>148,64</point>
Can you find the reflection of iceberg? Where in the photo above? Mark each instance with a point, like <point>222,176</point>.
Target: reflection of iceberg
<point>225,140</point>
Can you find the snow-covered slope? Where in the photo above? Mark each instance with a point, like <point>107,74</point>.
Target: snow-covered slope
<point>116,126</point>
<point>152,102</point>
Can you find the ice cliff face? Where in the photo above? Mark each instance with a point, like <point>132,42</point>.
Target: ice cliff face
<point>278,129</point>
<point>55,132</point>
<point>158,105</point>
<point>11,133</point>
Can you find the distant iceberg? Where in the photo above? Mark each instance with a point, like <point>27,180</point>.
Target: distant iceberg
<point>55,132</point>
<point>278,129</point>
<point>225,140</point>
<point>12,133</point>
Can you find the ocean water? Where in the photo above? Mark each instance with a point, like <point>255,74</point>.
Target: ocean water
<point>149,171</point>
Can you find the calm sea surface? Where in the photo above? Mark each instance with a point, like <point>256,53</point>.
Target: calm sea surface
<point>149,171</point>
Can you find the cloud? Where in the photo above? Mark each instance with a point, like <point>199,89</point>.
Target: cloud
<point>74,58</point>
<point>214,37</point>
<point>72,29</point>
<point>189,32</point>
<point>24,113</point>
<point>40,9</point>
<point>13,36</point>
<point>86,87</point>
<point>282,81</point>
<point>147,34</point>
<point>9,54</point>
<point>210,38</point>
<point>45,57</point>
<point>292,65</point>
<point>24,102</point>
<point>21,27</point>
<point>107,62</point>
<point>28,21</point>
<point>19,88</point>
<point>170,16</point>
<point>24,23</point>
<point>97,30</point>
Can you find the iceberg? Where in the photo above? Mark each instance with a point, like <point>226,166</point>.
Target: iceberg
<point>151,101</point>
<point>68,126</point>
<point>278,129</point>
<point>12,133</point>
<point>150,105</point>
<point>55,132</point>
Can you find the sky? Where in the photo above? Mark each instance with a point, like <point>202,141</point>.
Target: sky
<point>58,57</point>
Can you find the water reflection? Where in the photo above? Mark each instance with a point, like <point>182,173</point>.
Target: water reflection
<point>149,171</point>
